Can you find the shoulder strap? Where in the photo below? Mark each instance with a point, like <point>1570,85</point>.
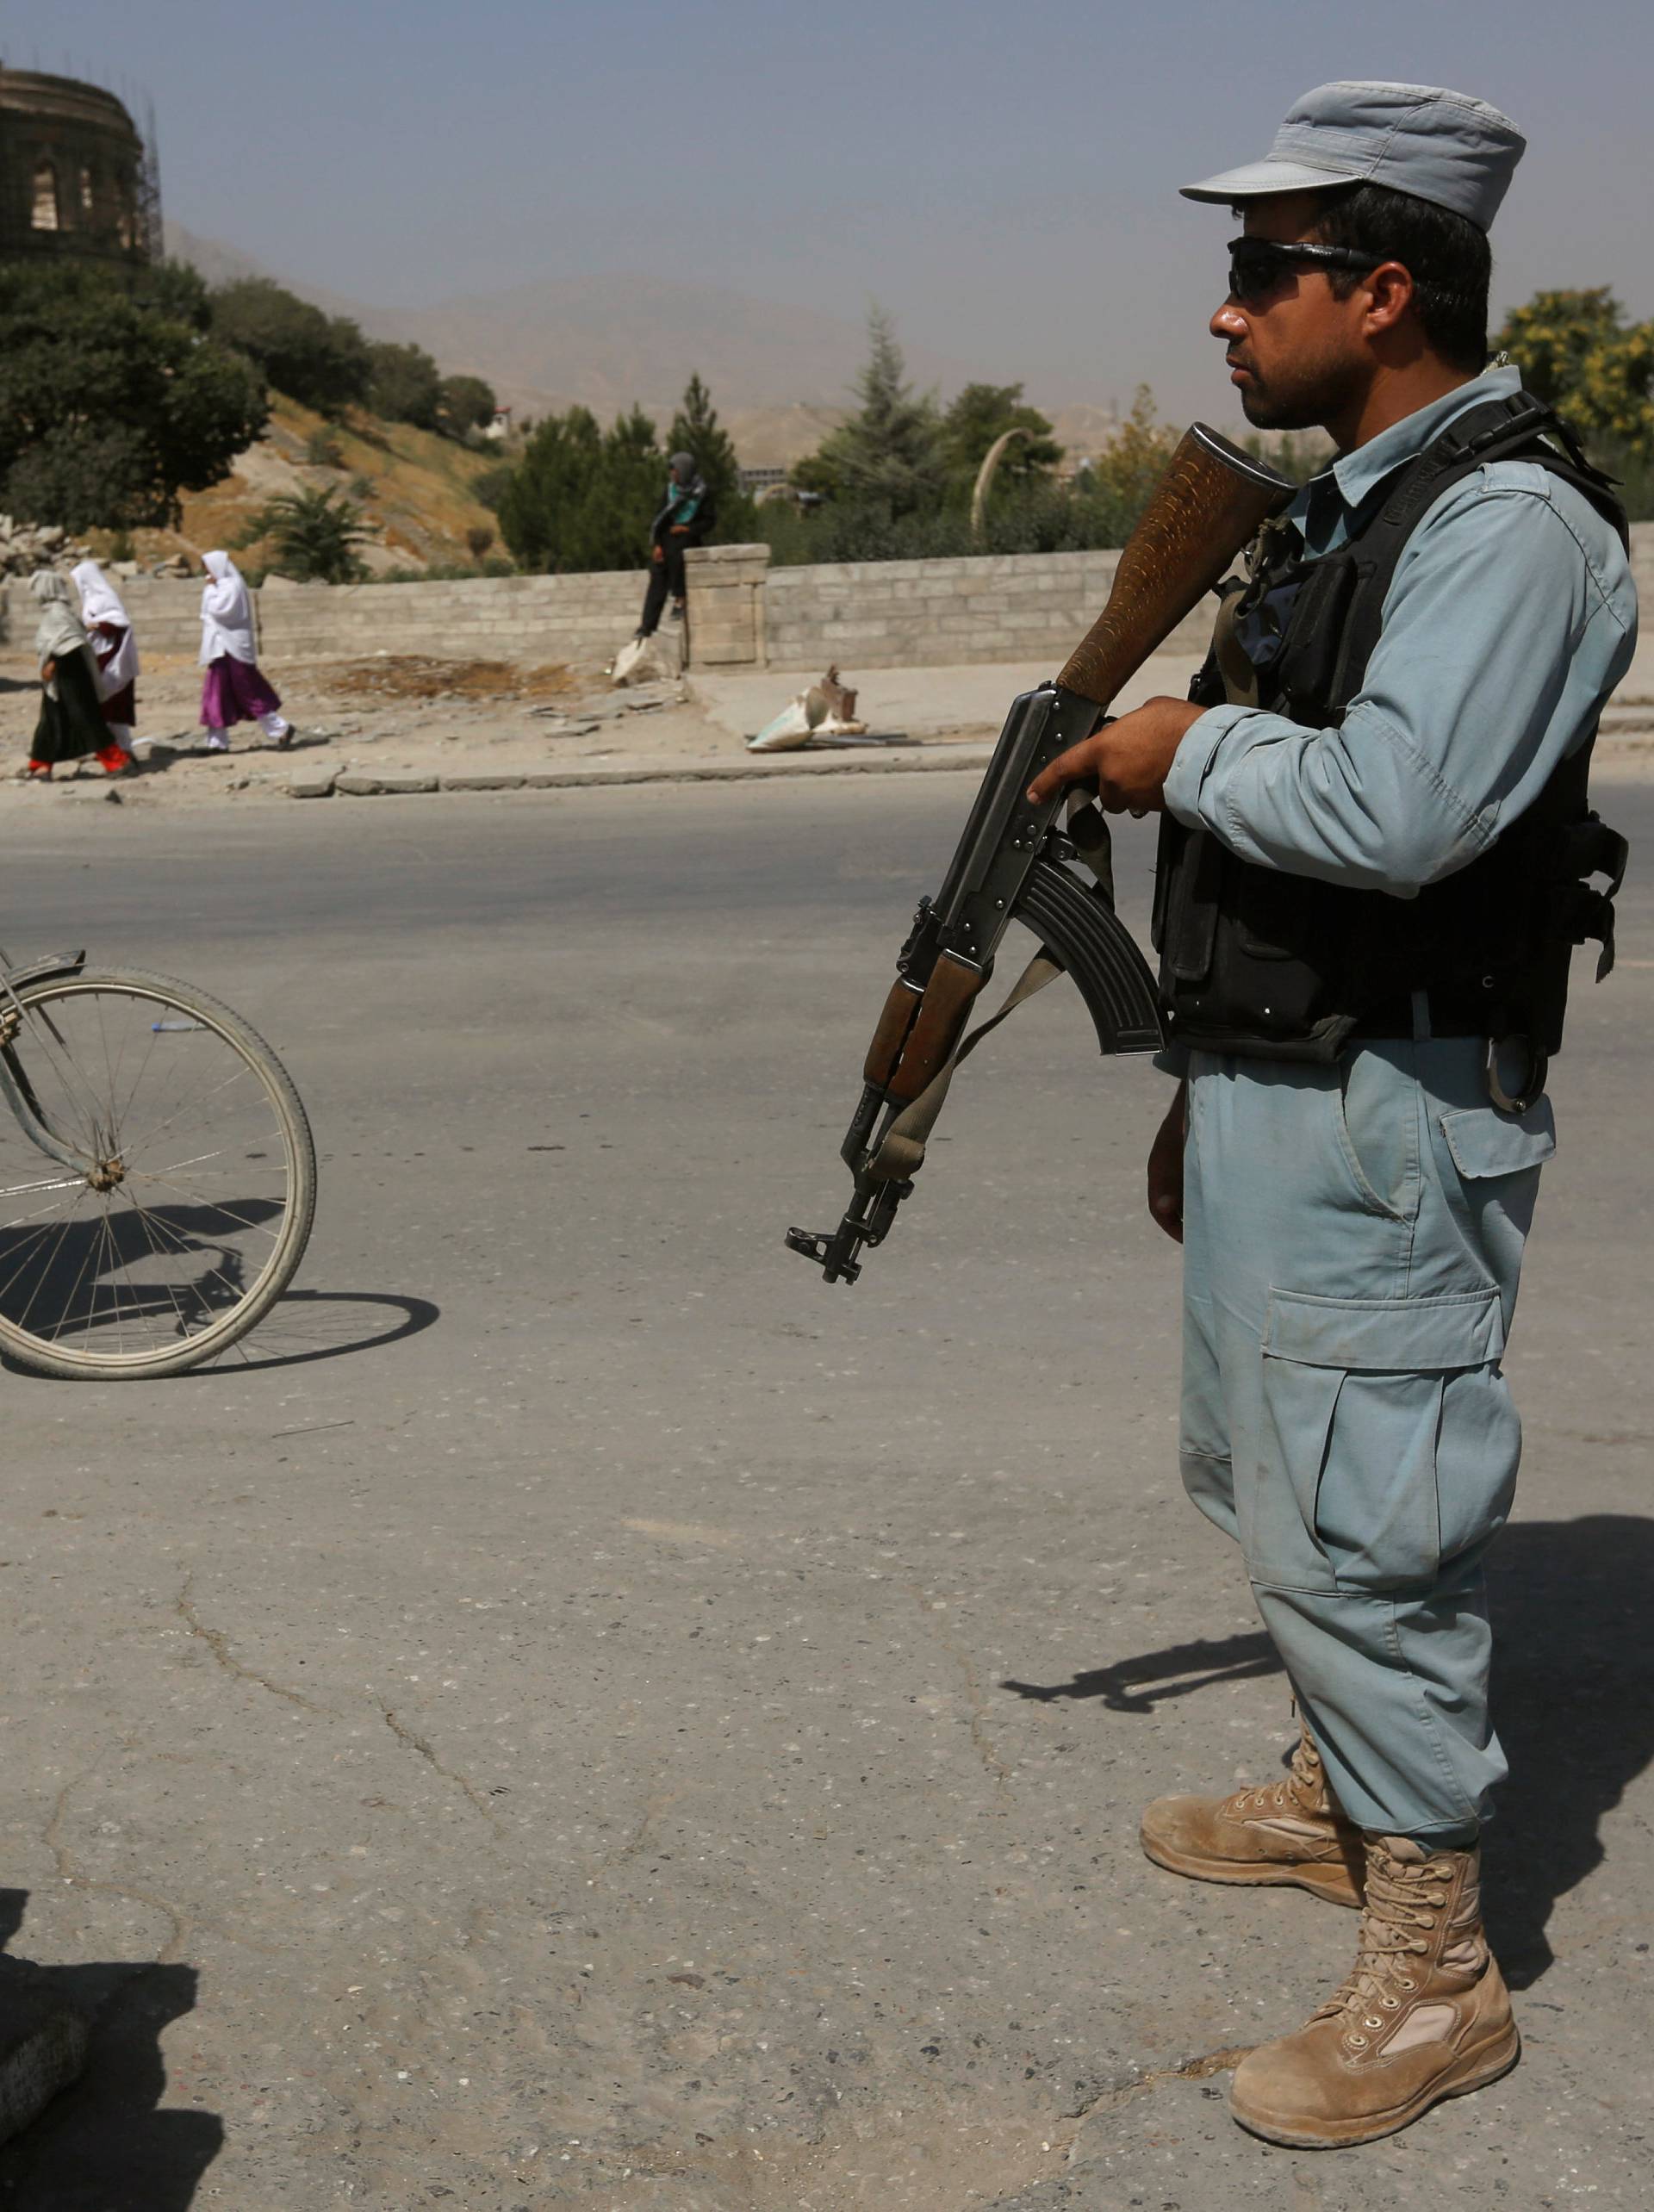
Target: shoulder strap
<point>1500,430</point>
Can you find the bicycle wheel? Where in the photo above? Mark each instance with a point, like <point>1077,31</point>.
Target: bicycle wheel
<point>162,1201</point>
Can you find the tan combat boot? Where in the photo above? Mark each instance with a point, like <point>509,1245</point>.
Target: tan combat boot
<point>1425,2014</point>
<point>1292,1831</point>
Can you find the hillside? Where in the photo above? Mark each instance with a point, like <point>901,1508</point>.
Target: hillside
<point>413,489</point>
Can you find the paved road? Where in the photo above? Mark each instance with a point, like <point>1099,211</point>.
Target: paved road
<point>587,1716</point>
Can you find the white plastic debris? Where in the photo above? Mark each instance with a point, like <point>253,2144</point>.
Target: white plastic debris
<point>825,711</point>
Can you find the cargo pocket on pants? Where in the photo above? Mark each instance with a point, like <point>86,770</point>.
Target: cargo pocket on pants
<point>1347,1491</point>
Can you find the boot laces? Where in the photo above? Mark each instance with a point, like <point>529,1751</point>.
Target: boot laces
<point>1403,1905</point>
<point>1304,1786</point>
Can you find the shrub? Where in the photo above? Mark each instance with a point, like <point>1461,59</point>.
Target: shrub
<point>464,403</point>
<point>491,486</point>
<point>322,449</point>
<point>314,536</point>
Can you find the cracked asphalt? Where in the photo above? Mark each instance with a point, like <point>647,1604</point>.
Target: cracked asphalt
<point>582,1714</point>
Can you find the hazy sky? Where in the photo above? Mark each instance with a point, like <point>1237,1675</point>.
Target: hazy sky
<point>1001,177</point>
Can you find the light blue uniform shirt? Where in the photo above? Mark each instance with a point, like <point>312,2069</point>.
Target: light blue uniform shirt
<point>1511,616</point>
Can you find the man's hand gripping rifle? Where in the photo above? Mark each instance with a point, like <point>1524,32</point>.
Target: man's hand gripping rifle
<point>1011,863</point>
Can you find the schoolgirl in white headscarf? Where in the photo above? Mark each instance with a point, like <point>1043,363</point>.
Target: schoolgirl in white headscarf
<point>115,649</point>
<point>69,724</point>
<point>233,691</point>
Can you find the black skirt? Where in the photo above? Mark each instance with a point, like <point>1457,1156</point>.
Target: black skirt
<point>71,724</point>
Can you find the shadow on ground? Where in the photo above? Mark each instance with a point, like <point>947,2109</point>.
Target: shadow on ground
<point>1573,1700</point>
<point>311,1325</point>
<point>105,2145</point>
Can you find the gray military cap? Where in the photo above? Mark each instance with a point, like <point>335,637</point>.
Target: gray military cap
<point>1437,144</point>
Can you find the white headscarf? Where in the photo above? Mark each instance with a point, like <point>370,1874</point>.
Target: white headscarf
<point>58,631</point>
<point>226,613</point>
<point>101,602</point>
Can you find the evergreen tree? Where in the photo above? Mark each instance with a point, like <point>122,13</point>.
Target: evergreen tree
<point>582,498</point>
<point>889,455</point>
<point>696,429</point>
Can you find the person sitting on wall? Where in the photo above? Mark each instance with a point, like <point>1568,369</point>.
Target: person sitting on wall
<point>686,520</point>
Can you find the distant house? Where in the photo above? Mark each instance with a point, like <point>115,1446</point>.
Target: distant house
<point>501,427</point>
<point>757,481</point>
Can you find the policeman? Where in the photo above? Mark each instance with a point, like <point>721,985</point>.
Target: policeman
<point>1376,857</point>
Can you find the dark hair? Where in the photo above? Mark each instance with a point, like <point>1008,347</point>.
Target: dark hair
<point>1448,258</point>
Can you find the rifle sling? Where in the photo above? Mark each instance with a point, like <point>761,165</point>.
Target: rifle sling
<point>901,1153</point>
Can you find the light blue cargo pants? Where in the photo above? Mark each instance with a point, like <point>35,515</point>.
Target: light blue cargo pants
<point>1352,1239</point>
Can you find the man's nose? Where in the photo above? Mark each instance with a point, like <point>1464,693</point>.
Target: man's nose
<point>1228,323</point>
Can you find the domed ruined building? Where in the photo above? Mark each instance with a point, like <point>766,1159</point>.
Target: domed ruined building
<point>75,177</point>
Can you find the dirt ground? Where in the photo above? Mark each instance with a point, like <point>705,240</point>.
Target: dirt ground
<point>392,714</point>
<point>428,716</point>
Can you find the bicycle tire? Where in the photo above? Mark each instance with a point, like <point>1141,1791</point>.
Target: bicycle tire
<point>201,1011</point>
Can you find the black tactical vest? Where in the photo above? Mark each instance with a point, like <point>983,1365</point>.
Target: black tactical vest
<point>1285,967</point>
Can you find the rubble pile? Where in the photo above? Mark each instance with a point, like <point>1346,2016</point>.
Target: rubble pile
<point>26,546</point>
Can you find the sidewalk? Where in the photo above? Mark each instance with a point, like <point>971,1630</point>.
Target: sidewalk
<point>557,729</point>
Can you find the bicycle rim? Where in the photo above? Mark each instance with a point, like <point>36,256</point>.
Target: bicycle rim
<point>187,1206</point>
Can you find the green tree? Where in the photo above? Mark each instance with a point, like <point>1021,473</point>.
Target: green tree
<point>112,399</point>
<point>982,412</point>
<point>696,429</point>
<point>1134,458</point>
<point>321,361</point>
<point>1578,350</point>
<point>582,498</point>
<point>888,455</point>
<point>404,385</point>
<point>464,403</point>
<point>313,535</point>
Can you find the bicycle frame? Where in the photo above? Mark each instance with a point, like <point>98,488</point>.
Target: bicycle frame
<point>15,1086</point>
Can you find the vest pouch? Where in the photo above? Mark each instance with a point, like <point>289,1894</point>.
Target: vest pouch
<point>1264,985</point>
<point>1307,676</point>
<point>1188,881</point>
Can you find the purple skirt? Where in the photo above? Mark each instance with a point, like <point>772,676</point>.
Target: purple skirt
<point>235,692</point>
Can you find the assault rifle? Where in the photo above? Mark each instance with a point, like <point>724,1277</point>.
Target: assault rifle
<point>1012,864</point>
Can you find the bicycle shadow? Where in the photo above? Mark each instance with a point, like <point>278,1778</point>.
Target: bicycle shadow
<point>303,1327</point>
<point>106,2144</point>
<point>1573,1700</point>
<point>175,1264</point>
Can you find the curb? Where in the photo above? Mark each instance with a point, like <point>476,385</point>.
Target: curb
<point>908,762</point>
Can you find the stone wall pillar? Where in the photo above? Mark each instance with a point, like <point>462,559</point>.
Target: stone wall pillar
<point>726,604</point>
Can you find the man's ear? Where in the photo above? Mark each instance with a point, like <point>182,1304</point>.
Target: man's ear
<point>1389,288</point>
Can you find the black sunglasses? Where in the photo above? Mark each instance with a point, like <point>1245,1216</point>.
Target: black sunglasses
<point>1258,264</point>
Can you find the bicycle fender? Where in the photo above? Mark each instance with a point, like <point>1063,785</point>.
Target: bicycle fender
<point>41,971</point>
<point>1079,929</point>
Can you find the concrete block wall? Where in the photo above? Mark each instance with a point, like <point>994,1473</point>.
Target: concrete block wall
<point>877,614</point>
<point>166,612</point>
<point>526,618</point>
<point>887,614</point>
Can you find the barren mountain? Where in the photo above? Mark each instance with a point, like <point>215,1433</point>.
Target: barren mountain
<point>778,374</point>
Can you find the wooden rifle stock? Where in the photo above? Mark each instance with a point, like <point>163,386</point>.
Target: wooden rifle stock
<point>941,1017</point>
<point>891,1035</point>
<point>1209,503</point>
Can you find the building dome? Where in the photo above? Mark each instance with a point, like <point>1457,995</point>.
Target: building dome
<point>76,178</point>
